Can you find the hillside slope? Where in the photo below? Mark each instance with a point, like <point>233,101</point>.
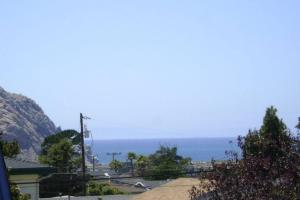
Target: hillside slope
<point>22,119</point>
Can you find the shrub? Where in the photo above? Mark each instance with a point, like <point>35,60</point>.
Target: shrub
<point>102,189</point>
<point>268,168</point>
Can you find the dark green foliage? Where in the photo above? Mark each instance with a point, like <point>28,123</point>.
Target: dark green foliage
<point>267,141</point>
<point>165,163</point>
<point>102,189</point>
<point>61,184</point>
<point>268,168</point>
<point>115,165</point>
<point>60,155</point>
<point>10,149</point>
<point>59,151</point>
<point>142,163</point>
<point>72,135</point>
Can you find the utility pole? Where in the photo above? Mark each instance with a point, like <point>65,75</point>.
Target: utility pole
<point>113,154</point>
<point>82,151</point>
<point>93,163</point>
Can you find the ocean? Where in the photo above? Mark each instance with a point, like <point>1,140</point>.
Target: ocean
<point>199,149</point>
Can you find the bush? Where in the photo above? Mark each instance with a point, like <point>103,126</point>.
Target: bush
<point>61,184</point>
<point>102,189</point>
<point>15,193</point>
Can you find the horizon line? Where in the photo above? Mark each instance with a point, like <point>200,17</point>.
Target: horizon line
<point>158,138</point>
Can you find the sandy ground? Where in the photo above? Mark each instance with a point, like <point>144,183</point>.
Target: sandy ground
<point>174,190</point>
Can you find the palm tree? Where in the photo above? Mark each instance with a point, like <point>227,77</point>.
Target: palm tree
<point>142,162</point>
<point>131,156</point>
<point>115,165</point>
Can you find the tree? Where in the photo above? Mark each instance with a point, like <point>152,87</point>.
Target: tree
<point>142,162</point>
<point>165,163</point>
<point>60,156</point>
<point>10,149</point>
<point>59,151</point>
<point>72,135</point>
<point>267,169</point>
<point>131,156</point>
<point>115,165</point>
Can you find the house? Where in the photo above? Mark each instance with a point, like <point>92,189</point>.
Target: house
<point>26,175</point>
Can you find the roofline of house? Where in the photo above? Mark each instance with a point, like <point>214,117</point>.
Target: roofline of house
<point>37,170</point>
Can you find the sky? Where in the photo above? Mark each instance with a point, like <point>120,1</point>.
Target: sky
<point>154,69</point>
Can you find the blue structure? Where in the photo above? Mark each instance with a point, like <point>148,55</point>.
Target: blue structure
<point>4,185</point>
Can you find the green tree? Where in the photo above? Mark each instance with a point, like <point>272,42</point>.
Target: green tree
<point>165,163</point>
<point>142,163</point>
<point>267,169</point>
<point>115,165</point>
<point>72,135</point>
<point>60,156</point>
<point>10,149</point>
<point>131,156</point>
<point>272,141</point>
<point>58,150</point>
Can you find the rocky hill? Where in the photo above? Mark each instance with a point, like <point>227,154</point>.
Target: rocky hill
<point>22,119</point>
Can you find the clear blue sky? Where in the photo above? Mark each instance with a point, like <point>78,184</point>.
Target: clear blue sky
<point>151,69</point>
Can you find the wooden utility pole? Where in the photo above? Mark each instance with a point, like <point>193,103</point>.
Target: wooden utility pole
<point>93,163</point>
<point>82,153</point>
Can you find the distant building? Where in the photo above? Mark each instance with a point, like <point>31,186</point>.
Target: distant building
<point>26,175</point>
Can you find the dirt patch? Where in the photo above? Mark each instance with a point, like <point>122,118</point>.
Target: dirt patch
<point>174,190</point>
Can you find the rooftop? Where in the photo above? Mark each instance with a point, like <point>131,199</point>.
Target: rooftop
<point>20,166</point>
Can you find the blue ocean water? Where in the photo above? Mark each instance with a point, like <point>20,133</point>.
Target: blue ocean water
<point>199,149</point>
